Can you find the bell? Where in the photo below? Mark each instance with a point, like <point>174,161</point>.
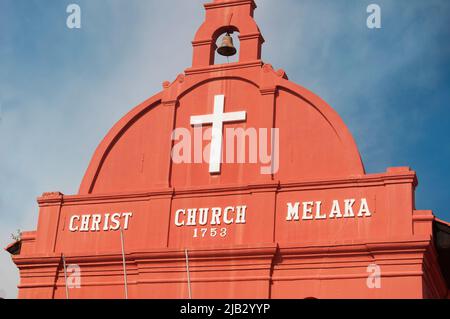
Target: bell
<point>227,48</point>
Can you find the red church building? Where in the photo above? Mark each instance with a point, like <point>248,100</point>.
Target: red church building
<point>234,182</point>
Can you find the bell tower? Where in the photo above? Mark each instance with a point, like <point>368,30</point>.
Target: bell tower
<point>224,16</point>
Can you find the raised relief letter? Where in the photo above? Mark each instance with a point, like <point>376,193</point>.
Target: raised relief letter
<point>95,226</point>
<point>72,220</point>
<point>85,223</point>
<point>318,211</point>
<point>215,216</point>
<point>364,209</point>
<point>241,214</point>
<point>203,216</point>
<point>292,213</point>
<point>335,210</point>
<point>307,210</point>
<point>115,220</point>
<point>127,217</point>
<point>106,226</point>
<point>179,223</point>
<point>226,220</point>
<point>192,215</point>
<point>349,208</point>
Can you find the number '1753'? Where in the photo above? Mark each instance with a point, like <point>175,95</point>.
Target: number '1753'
<point>210,232</point>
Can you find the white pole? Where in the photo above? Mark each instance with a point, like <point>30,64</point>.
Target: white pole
<point>188,274</point>
<point>124,264</point>
<point>65,276</point>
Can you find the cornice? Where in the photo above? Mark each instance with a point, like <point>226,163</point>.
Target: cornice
<point>419,245</point>
<point>216,4</point>
<point>223,67</point>
<point>158,255</point>
<point>280,186</point>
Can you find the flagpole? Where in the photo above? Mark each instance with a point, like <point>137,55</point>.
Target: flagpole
<point>65,276</point>
<point>188,274</point>
<point>124,264</point>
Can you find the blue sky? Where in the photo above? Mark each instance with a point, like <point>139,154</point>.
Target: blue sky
<point>61,90</point>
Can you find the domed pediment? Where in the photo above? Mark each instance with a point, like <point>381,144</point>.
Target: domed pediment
<point>291,130</point>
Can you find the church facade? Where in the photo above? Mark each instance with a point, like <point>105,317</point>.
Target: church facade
<point>233,182</point>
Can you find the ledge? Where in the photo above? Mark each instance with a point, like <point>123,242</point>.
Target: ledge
<point>376,246</point>
<point>216,4</point>
<point>276,186</point>
<point>223,67</point>
<point>168,254</point>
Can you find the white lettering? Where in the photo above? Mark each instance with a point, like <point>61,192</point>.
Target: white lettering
<point>212,216</point>
<point>72,219</point>
<point>292,211</point>
<point>203,219</point>
<point>339,209</point>
<point>307,210</point>
<point>335,210</point>
<point>349,208</point>
<point>364,209</point>
<point>115,220</point>
<point>318,211</point>
<point>179,223</point>
<point>99,222</point>
<point>127,218</point>
<point>241,214</point>
<point>226,220</point>
<point>192,214</point>
<point>95,225</point>
<point>105,226</point>
<point>85,223</point>
<point>216,213</point>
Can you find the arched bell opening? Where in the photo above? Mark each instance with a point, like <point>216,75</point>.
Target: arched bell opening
<point>227,45</point>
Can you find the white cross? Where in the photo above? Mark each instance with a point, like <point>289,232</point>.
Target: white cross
<point>217,119</point>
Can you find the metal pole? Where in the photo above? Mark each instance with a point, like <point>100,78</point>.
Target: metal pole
<point>124,264</point>
<point>65,276</point>
<point>188,274</point>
